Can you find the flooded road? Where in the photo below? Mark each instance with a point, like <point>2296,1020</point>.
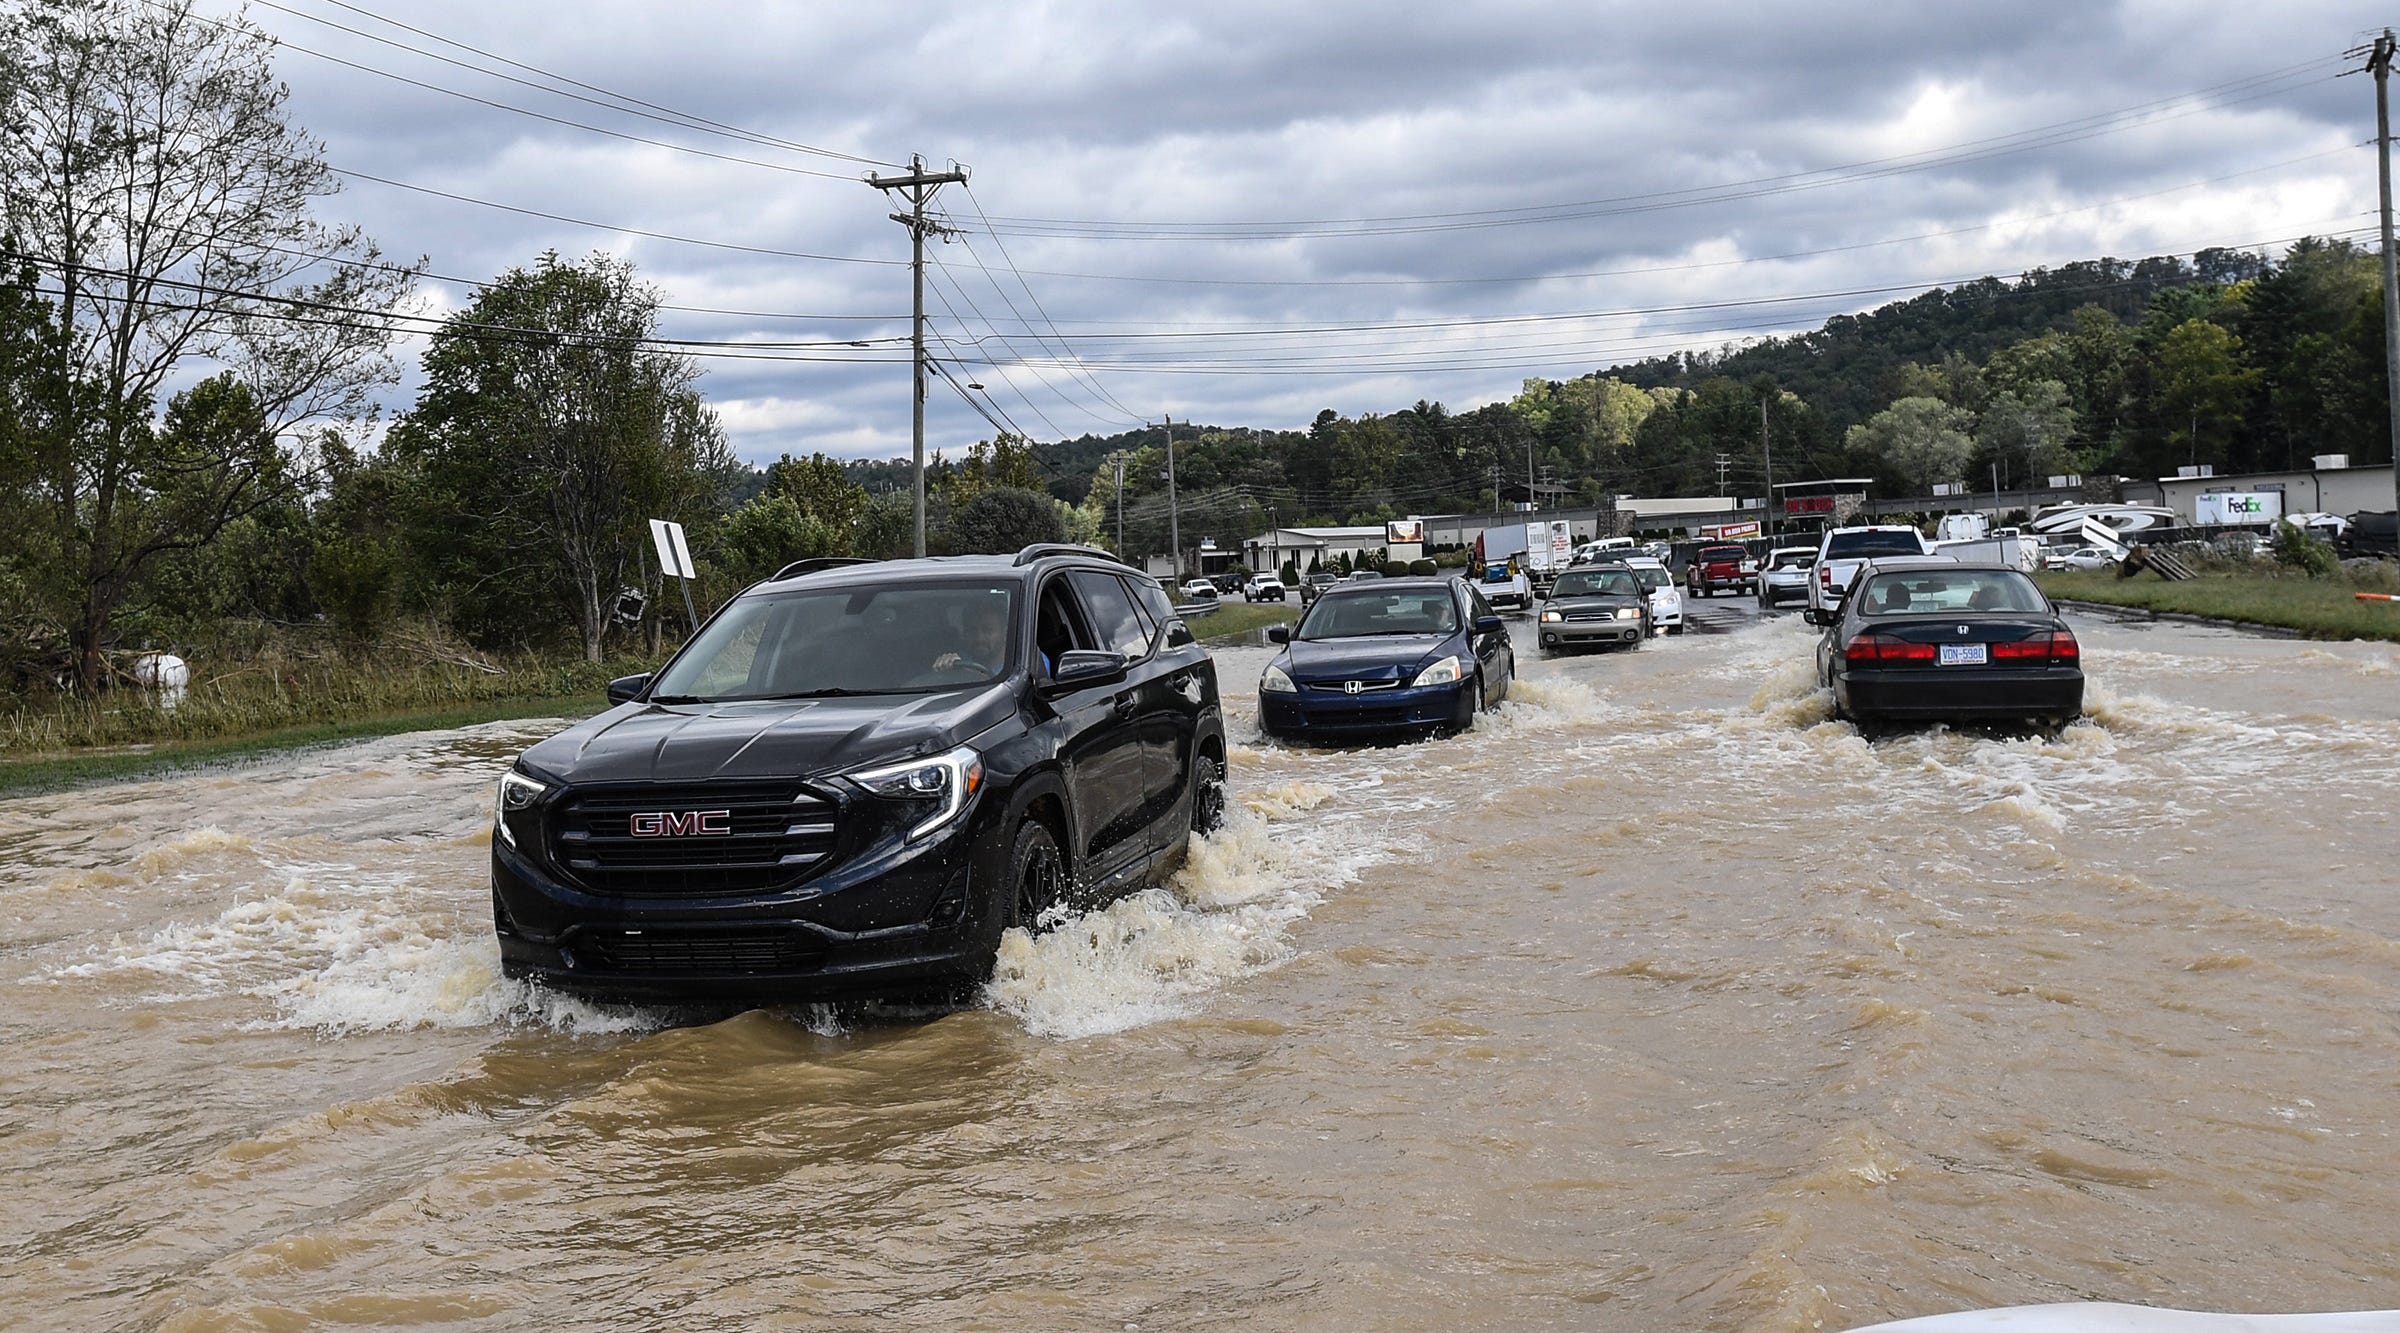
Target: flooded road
<point>1659,1001</point>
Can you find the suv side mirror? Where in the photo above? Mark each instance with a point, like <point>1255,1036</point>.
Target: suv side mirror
<point>1486,624</point>
<point>1083,668</point>
<point>624,689</point>
<point>1279,634</point>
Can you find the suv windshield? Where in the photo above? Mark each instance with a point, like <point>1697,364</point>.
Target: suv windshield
<point>1596,583</point>
<point>1358,615</point>
<point>911,638</point>
<point>1892,542</point>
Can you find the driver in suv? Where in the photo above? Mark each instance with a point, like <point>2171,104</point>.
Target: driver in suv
<point>856,776</point>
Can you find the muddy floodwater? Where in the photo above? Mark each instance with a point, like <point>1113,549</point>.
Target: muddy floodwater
<point>1660,1001</point>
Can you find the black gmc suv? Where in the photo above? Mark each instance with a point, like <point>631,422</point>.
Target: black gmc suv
<point>856,776</point>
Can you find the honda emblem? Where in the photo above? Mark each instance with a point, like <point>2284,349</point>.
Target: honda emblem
<point>1353,686</point>
<point>1964,631</point>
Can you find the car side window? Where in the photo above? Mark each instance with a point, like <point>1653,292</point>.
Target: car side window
<point>1153,599</point>
<point>1477,608</point>
<point>1114,622</point>
<point>1059,628</point>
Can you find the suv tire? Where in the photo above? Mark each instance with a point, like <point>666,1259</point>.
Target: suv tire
<point>1208,795</point>
<point>1036,876</point>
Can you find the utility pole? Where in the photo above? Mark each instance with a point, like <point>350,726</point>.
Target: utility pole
<point>1533,499</point>
<point>2380,61</point>
<point>918,186</point>
<point>1769,451</point>
<point>1174,510</point>
<point>1120,504</point>
<point>1724,461</point>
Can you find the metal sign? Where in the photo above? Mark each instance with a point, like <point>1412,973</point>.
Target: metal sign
<point>674,557</point>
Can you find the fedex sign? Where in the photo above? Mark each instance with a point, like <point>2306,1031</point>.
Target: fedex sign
<point>2238,507</point>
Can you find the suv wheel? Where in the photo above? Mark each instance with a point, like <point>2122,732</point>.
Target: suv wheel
<point>1036,876</point>
<point>1208,794</point>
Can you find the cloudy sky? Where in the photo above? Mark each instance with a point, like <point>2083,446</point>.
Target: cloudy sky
<point>1243,213</point>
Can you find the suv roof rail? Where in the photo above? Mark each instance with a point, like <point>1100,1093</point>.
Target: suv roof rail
<point>1040,549</point>
<point>812,565</point>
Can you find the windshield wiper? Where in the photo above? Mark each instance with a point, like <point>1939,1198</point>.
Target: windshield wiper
<point>677,699</point>
<point>829,692</point>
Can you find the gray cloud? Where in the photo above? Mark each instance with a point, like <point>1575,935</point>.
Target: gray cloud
<point>1291,113</point>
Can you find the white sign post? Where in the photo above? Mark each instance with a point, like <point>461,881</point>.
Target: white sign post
<point>675,560</point>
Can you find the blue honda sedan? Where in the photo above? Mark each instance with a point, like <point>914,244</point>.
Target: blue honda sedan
<point>1387,656</point>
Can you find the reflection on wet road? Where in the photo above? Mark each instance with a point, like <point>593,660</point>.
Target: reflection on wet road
<point>1660,1000</point>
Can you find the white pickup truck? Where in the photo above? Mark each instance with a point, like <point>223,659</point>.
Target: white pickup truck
<point>1841,553</point>
<point>1503,583</point>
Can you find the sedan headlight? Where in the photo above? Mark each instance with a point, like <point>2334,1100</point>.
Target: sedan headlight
<point>1440,673</point>
<point>1276,681</point>
<point>517,792</point>
<point>944,784</point>
<point>1553,617</point>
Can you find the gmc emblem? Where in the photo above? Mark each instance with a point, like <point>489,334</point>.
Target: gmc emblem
<point>683,824</point>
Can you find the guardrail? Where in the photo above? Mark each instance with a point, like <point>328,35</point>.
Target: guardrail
<point>1186,610</point>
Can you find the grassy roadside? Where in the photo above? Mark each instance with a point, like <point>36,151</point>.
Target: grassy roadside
<point>273,711</point>
<point>36,775</point>
<point>1235,619</point>
<point>2313,608</point>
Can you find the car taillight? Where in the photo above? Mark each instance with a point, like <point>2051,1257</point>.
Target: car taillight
<point>1825,577</point>
<point>1873,647</point>
<point>2056,645</point>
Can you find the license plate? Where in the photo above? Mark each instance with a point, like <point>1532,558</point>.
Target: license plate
<point>1962,654</point>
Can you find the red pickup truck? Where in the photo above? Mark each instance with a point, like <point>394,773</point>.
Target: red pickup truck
<point>1715,567</point>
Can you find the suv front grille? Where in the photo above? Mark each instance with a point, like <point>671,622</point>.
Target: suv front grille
<point>697,841</point>
<point>702,953</point>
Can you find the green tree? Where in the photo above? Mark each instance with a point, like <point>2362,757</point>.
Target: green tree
<point>151,172</point>
<point>1922,439</point>
<point>1004,519</point>
<point>2026,430</point>
<point>2203,389</point>
<point>548,432</point>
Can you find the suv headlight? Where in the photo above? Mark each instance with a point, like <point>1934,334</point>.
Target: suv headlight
<point>1440,673</point>
<point>517,792</point>
<point>1277,681</point>
<point>1552,617</point>
<point>1629,613</point>
<point>944,784</point>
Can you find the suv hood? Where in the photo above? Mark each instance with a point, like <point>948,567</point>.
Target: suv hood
<point>765,738</point>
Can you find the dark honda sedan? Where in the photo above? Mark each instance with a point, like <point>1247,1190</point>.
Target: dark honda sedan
<point>1926,639</point>
<point>1388,655</point>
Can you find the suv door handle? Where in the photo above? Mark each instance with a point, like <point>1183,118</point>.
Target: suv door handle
<point>1123,704</point>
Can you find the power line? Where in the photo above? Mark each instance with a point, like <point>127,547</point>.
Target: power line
<point>619,102</point>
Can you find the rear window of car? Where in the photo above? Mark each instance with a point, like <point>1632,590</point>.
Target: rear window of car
<point>1874,543</point>
<point>1945,592</point>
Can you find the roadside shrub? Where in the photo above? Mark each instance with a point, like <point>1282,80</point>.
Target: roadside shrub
<point>1424,567</point>
<point>2368,575</point>
<point>2296,549</point>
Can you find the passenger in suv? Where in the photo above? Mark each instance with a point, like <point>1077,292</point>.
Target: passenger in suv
<point>847,785</point>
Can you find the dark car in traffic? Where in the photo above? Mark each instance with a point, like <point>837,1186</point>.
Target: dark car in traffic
<point>1601,606</point>
<point>856,776</point>
<point>1920,639</point>
<point>1387,655</point>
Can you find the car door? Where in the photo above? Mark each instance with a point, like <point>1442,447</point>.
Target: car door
<point>1494,658</point>
<point>1122,627</point>
<point>1188,690</point>
<point>1100,742</point>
